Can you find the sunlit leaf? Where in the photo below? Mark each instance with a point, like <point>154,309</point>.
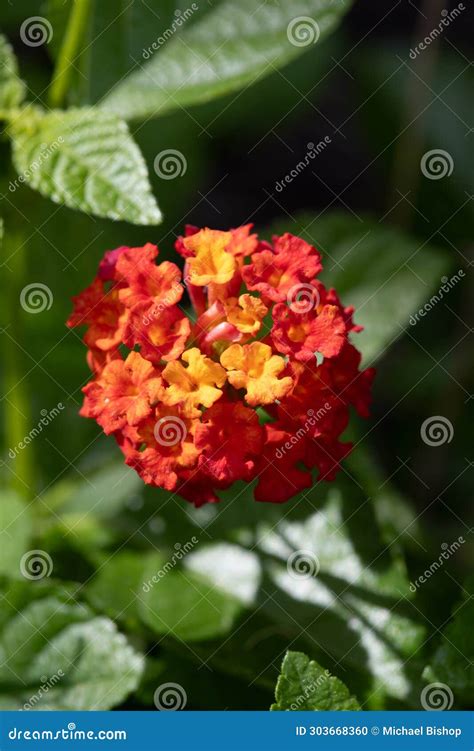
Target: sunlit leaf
<point>235,43</point>
<point>305,685</point>
<point>86,160</point>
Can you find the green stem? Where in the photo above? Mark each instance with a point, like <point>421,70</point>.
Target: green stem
<point>16,401</point>
<point>69,50</point>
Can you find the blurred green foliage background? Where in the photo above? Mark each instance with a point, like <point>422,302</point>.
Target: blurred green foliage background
<point>366,205</point>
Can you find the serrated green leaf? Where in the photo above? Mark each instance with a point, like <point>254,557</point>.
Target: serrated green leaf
<point>305,685</point>
<point>453,661</point>
<point>55,655</point>
<point>12,88</point>
<point>86,160</point>
<point>385,274</point>
<point>236,42</point>
<point>15,532</point>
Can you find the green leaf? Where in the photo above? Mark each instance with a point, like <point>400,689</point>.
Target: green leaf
<point>453,661</point>
<point>104,493</point>
<point>56,655</point>
<point>356,602</point>
<point>235,43</point>
<point>356,610</point>
<point>385,274</point>
<point>82,506</point>
<point>230,567</point>
<point>15,532</point>
<point>86,160</point>
<point>12,88</point>
<point>185,605</point>
<point>171,601</point>
<point>396,515</point>
<point>305,685</point>
<point>116,587</point>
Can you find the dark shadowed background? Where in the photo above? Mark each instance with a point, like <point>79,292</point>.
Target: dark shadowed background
<point>375,110</point>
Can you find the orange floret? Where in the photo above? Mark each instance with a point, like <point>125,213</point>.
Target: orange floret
<point>198,384</point>
<point>255,368</point>
<point>211,263</point>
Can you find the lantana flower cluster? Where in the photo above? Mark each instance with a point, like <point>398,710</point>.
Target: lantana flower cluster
<point>249,376</point>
